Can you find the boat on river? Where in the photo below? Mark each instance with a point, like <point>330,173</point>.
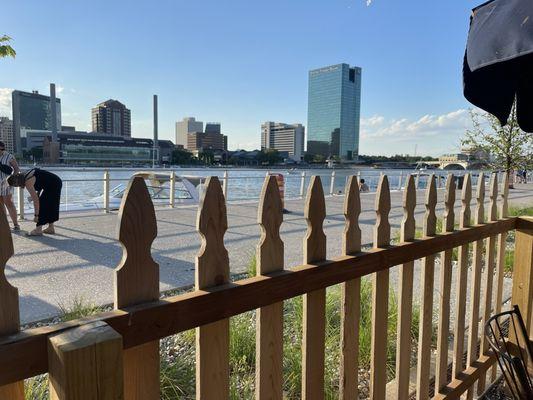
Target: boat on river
<point>186,190</point>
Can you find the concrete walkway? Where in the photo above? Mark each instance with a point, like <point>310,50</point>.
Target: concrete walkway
<point>78,262</point>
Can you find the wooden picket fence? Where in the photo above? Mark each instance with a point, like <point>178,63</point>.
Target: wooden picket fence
<point>115,355</point>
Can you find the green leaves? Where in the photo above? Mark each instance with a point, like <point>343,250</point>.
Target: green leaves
<point>5,49</point>
<point>508,146</point>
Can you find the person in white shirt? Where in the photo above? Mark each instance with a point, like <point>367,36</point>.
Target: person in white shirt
<point>6,191</point>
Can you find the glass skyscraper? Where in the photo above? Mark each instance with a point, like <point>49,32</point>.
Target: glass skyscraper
<point>32,111</point>
<point>333,113</point>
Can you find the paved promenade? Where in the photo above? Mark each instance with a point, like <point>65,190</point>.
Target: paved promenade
<point>79,261</point>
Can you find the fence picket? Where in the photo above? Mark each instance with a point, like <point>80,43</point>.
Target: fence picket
<point>445,288</point>
<point>462,277</point>
<point>380,295</point>
<point>476,280</point>
<point>490,250</point>
<point>351,296</point>
<point>314,303</point>
<point>9,303</point>
<point>426,305</point>
<point>405,293</point>
<point>212,269</point>
<point>269,321</point>
<point>500,255</point>
<point>137,281</point>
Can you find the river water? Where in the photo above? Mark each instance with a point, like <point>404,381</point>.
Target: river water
<point>80,185</point>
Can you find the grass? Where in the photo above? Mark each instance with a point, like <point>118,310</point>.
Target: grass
<point>79,308</point>
<point>521,211</point>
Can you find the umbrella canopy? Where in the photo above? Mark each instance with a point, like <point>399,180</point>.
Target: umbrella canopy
<point>498,63</point>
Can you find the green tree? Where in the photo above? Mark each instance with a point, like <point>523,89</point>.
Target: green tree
<point>5,49</point>
<point>509,147</point>
<point>181,157</point>
<point>308,158</point>
<point>207,157</point>
<point>319,159</point>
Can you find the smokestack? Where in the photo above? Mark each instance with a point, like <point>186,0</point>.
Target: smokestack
<point>53,111</point>
<point>156,141</point>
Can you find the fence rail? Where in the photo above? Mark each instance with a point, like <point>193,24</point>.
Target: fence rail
<point>130,365</point>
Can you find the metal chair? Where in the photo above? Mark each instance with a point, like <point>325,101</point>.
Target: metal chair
<point>508,338</point>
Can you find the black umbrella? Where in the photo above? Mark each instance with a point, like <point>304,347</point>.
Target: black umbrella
<point>498,63</point>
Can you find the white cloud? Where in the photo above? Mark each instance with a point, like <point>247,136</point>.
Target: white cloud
<point>5,102</point>
<point>433,134</point>
<point>59,89</point>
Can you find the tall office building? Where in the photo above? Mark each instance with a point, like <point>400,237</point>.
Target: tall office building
<point>32,111</point>
<point>212,127</point>
<point>112,117</point>
<point>6,134</point>
<point>186,126</point>
<point>197,141</point>
<point>333,114</point>
<point>284,138</point>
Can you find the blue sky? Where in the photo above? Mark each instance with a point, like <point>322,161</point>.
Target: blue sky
<point>245,62</point>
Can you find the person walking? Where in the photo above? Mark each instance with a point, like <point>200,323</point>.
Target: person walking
<point>6,192</point>
<point>45,190</point>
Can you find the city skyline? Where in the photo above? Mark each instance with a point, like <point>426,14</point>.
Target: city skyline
<point>411,53</point>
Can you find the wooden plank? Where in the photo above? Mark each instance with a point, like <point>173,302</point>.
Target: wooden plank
<point>212,269</point>
<point>269,321</point>
<point>9,302</point>
<point>466,379</point>
<point>500,255</point>
<point>405,300</point>
<point>475,290</point>
<point>24,355</point>
<point>380,296</point>
<point>490,249</point>
<point>426,304</point>
<point>351,296</point>
<point>86,363</point>
<point>314,303</point>
<point>137,281</point>
<point>445,280</point>
<point>460,304</point>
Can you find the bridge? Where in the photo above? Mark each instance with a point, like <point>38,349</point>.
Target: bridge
<point>454,164</point>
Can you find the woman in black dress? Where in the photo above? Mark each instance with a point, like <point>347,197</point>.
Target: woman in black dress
<point>45,190</point>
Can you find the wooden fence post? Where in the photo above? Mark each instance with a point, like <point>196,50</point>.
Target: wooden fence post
<point>380,296</point>
<point>523,276</point>
<point>269,320</point>
<point>448,225</point>
<point>426,306</point>
<point>85,363</point>
<point>314,303</point>
<point>212,269</point>
<point>137,281</point>
<point>490,250</point>
<point>9,303</point>
<point>351,296</point>
<point>500,254</point>
<point>462,277</point>
<point>476,281</point>
<point>405,293</point>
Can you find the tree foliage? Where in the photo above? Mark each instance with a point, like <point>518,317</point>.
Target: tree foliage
<point>509,147</point>
<point>5,49</point>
